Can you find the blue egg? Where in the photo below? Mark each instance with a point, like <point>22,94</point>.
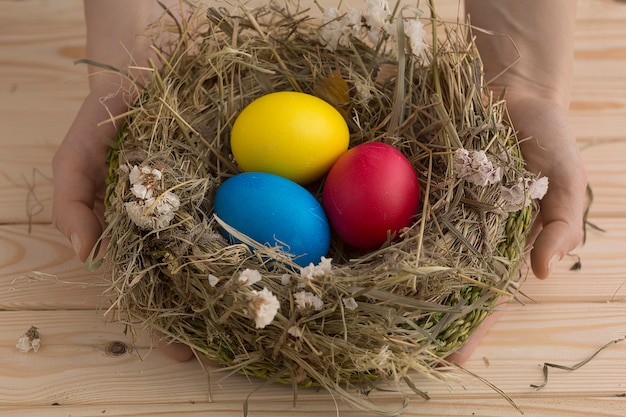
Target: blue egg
<point>274,211</point>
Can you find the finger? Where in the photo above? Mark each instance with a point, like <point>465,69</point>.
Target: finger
<point>73,212</point>
<point>177,351</point>
<point>561,228</point>
<point>556,240</point>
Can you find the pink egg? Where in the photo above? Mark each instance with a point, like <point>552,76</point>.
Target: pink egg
<point>370,191</point>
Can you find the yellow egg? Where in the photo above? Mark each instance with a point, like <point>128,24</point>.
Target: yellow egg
<point>295,135</point>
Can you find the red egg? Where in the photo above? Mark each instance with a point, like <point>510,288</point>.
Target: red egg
<point>370,191</point>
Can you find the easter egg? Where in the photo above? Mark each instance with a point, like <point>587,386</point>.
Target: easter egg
<point>371,191</point>
<point>274,211</point>
<point>295,135</point>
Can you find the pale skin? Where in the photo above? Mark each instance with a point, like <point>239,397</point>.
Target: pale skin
<point>537,93</point>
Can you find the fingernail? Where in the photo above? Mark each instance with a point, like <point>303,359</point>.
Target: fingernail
<point>76,243</point>
<point>556,258</point>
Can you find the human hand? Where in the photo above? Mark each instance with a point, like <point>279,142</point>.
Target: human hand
<point>551,150</point>
<point>527,57</point>
<point>80,169</point>
<point>117,36</point>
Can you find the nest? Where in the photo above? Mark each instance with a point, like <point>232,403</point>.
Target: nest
<point>384,315</point>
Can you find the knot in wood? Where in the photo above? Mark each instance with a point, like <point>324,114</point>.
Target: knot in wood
<point>116,348</point>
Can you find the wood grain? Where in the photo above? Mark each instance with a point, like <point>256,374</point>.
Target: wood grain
<point>39,271</point>
<point>540,407</point>
<point>73,368</point>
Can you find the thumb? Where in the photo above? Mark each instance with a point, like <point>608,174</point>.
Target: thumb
<point>556,240</point>
<point>80,225</point>
<point>76,208</point>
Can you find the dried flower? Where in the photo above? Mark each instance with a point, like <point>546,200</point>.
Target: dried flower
<point>249,276</point>
<point>285,279</point>
<point>264,305</point>
<point>350,303</point>
<point>213,280</point>
<point>312,271</point>
<point>153,213</point>
<point>337,30</point>
<point>143,180</point>
<point>378,14</point>
<point>306,300</point>
<point>149,212</point>
<point>142,192</point>
<point>144,175</point>
<point>475,167</point>
<point>538,188</point>
<point>522,193</point>
<point>31,340</point>
<point>513,196</point>
<point>295,331</point>
<point>414,30</point>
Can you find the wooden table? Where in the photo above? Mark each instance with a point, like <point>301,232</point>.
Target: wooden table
<point>565,319</point>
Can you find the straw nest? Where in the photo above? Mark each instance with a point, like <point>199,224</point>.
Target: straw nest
<point>387,314</point>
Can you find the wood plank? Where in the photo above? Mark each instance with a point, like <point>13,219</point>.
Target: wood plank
<point>606,166</point>
<point>601,11</point>
<point>38,270</point>
<point>537,407</point>
<point>72,367</point>
<point>598,105</point>
<point>40,92</point>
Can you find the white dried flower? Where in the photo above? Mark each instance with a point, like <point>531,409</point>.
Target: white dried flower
<point>23,344</point>
<point>264,305</point>
<point>513,197</point>
<point>249,276</point>
<point>29,341</point>
<point>149,212</point>
<point>142,192</point>
<point>475,167</point>
<point>306,300</point>
<point>285,279</point>
<point>350,303</point>
<point>295,331</point>
<point>337,30</point>
<point>143,180</point>
<point>538,188</point>
<point>308,272</point>
<point>325,266</point>
<point>352,23</point>
<point>166,204</point>
<point>153,213</point>
<point>378,24</point>
<point>311,271</point>
<point>414,30</point>
<point>378,14</point>
<point>522,193</point>
<point>144,175</point>
<point>213,280</point>
<point>332,28</point>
